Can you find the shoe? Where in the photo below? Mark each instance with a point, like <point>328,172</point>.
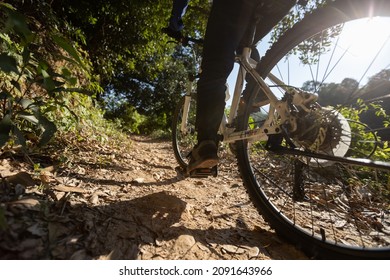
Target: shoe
<point>204,155</point>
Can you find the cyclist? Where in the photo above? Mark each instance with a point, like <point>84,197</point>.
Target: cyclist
<point>227,23</point>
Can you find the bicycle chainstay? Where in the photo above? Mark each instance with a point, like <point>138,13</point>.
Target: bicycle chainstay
<point>346,160</point>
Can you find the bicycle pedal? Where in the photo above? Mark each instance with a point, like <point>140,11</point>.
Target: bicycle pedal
<point>204,172</point>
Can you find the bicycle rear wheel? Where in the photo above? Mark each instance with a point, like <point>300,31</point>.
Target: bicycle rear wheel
<point>323,203</point>
<point>183,130</point>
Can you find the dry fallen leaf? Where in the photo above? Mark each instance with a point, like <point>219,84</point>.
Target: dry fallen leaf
<point>46,177</point>
<point>27,203</point>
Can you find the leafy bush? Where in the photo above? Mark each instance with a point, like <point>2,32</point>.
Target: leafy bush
<point>36,80</point>
<point>368,141</point>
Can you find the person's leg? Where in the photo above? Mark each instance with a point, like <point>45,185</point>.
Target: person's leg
<point>227,24</point>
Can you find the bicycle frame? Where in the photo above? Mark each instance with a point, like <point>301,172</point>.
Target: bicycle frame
<point>278,114</point>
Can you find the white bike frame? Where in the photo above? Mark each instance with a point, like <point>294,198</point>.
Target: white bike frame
<point>278,113</point>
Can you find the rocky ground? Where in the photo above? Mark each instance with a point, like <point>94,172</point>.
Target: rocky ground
<point>129,202</point>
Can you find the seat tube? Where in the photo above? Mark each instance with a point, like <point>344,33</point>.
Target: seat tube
<point>237,92</point>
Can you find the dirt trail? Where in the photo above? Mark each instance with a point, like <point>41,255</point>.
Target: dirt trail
<point>130,203</point>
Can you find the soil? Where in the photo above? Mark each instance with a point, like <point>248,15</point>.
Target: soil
<point>129,202</point>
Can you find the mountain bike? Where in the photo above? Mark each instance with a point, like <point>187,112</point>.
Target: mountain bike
<point>318,175</point>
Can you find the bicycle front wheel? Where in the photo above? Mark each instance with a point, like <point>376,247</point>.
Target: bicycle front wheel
<point>183,129</point>
<point>325,204</point>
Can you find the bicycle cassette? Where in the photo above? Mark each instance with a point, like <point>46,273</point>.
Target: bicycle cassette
<point>325,131</point>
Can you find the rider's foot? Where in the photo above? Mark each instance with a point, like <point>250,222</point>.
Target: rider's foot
<point>204,155</point>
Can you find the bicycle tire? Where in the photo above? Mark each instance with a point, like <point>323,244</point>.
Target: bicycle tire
<point>271,198</point>
<point>184,141</point>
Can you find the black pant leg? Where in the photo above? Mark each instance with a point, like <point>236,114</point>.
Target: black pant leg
<point>226,26</point>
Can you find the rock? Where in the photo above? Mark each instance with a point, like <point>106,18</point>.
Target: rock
<point>232,249</point>
<point>184,243</point>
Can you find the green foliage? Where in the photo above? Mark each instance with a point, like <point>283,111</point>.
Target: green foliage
<point>364,139</point>
<point>91,125</point>
<point>134,60</point>
<point>31,89</point>
<point>155,122</point>
<point>154,98</point>
<point>130,120</point>
<point>125,36</point>
<point>43,72</point>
